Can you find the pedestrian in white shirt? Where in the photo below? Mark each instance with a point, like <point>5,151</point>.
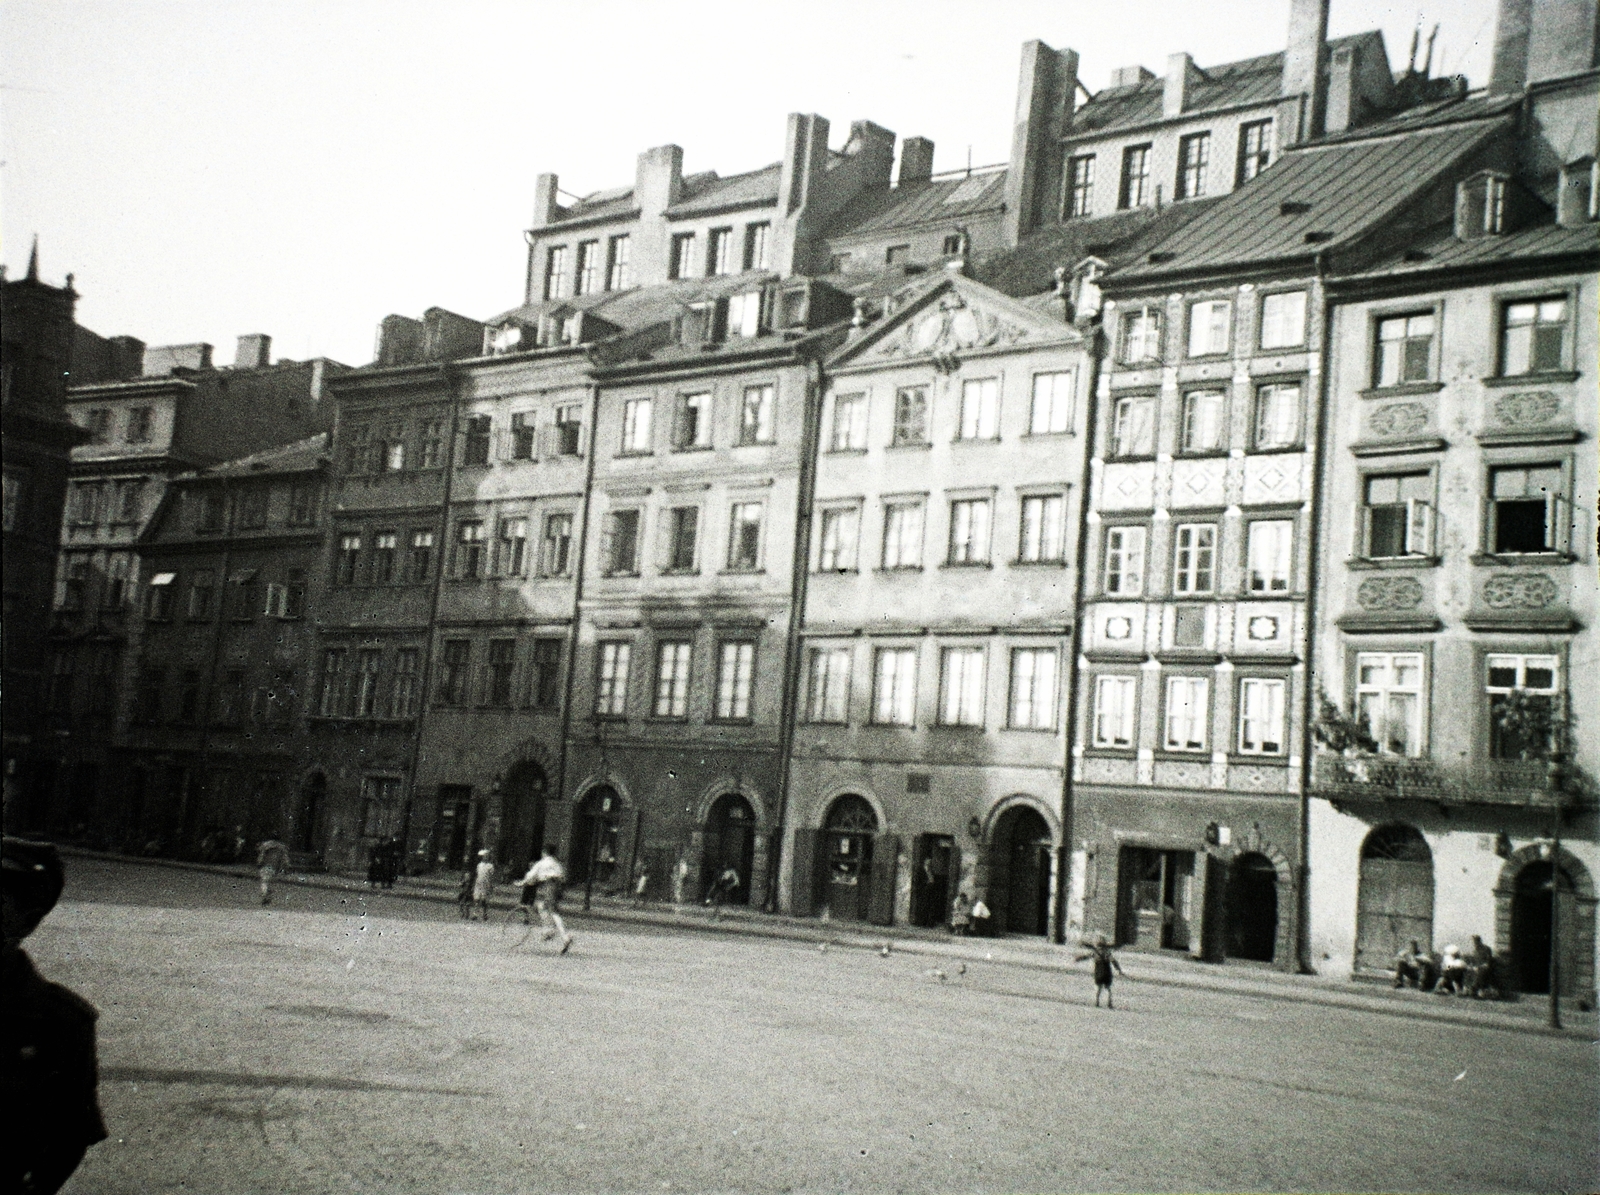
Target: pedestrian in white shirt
<point>546,876</point>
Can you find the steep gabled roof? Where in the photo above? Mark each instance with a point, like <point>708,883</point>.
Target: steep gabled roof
<point>920,203</point>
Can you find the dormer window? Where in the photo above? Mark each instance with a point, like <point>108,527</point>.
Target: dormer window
<point>1483,205</point>
<point>705,322</point>
<point>745,313</point>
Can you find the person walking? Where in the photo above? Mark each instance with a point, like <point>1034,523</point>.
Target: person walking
<point>483,884</point>
<point>272,857</point>
<point>1104,961</point>
<point>545,878</point>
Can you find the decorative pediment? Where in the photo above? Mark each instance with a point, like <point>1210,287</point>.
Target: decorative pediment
<point>957,319</point>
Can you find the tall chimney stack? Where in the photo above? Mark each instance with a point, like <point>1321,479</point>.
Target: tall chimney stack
<point>916,160</point>
<point>1303,60</point>
<point>254,351</point>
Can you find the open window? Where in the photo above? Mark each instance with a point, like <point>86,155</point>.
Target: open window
<point>1527,511</point>
<point>1397,516</point>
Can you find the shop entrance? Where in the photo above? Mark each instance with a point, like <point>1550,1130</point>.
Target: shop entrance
<point>848,833</point>
<point>1530,929</point>
<point>451,845</point>
<point>935,868</point>
<point>1019,872</point>
<point>594,839</point>
<point>730,842</point>
<point>1252,908</point>
<point>1394,903</point>
<point>522,797</point>
<point>1156,899</point>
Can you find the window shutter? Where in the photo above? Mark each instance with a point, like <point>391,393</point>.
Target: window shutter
<point>274,600</point>
<point>1419,527</point>
<point>608,536</point>
<point>885,864</point>
<point>1557,522</point>
<point>1365,545</point>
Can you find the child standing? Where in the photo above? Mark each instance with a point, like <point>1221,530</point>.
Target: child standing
<point>483,884</point>
<point>464,895</point>
<point>1104,961</point>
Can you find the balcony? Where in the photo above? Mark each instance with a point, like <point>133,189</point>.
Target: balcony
<point>1521,784</point>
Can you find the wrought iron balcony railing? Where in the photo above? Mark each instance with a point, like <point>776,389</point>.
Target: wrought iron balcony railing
<point>1524,783</point>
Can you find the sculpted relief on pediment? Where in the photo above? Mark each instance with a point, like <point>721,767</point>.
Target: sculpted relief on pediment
<point>948,327</point>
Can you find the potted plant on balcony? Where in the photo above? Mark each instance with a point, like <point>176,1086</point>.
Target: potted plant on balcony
<point>1342,734</point>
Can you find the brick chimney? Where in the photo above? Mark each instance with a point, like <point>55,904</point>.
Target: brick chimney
<point>544,200</point>
<point>254,351</point>
<point>916,160</point>
<point>1181,76</point>
<point>1047,89</point>
<point>1303,59</point>
<point>162,360</point>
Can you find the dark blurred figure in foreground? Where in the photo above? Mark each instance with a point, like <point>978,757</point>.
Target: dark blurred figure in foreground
<point>50,1072</point>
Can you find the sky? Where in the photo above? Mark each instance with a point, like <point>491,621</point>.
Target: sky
<point>209,169</point>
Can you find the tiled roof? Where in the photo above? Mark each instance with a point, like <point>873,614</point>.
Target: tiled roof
<point>598,205</point>
<point>1248,81</point>
<point>286,458</point>
<point>1317,198</point>
<point>920,203</point>
<point>703,193</point>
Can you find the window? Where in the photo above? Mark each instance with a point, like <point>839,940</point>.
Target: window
<point>1389,700</point>
<point>1186,713</point>
<point>682,263</point>
<point>240,596</point>
<point>1283,320</point>
<point>1527,508</point>
<point>744,537</point>
<point>969,531</point>
<point>469,551</point>
<point>502,662</point>
<point>419,565</point>
<point>1133,427</point>
<point>1051,411</point>
<point>1255,148</point>
<point>828,684</point>
<point>302,505</point>
<point>1277,416</point>
<point>1405,349</point>
<point>454,661</point>
<point>213,511</point>
<point>756,238</point>
<point>1194,156</point>
<point>281,698</point>
<point>693,426</point>
<point>980,409</point>
<point>1113,711</point>
<point>202,593</point>
<point>158,597</point>
<point>1209,325</point>
<point>838,548</point>
<point>130,502</point>
<point>393,450</point>
<point>1135,191</point>
<point>736,669</point>
<point>902,534</point>
<point>1080,186</point>
<point>148,696</point>
<point>683,528</point>
<point>523,430</point>
<point>1533,336</point>
<point>557,274</point>
<point>636,425</point>
<point>119,578</point>
<point>1194,558</point>
<point>403,685</point>
<point>1270,548</point>
<point>1522,705</point>
<point>379,796</point>
<point>755,415</point>
<point>611,694</point>
<point>961,686</point>
<point>1203,421</point>
<point>16,489</point>
<point>1043,536</point>
<point>619,276</point>
<point>86,503</point>
<point>719,252</point>
<point>189,695</point>
<point>475,436</point>
<point>331,704</point>
<point>849,432</point>
<point>1125,561</point>
<point>557,544</point>
<point>569,430</point>
<point>544,681</point>
<point>1032,702</point>
<point>1261,716</point>
<point>911,415</point>
<point>369,664</point>
<point>1399,520</point>
<point>894,686</point>
<point>953,245</point>
<point>353,449</point>
<point>620,551</point>
<point>513,547</point>
<point>432,444</point>
<point>588,277</point>
<point>1141,335</point>
<point>75,571</point>
<point>139,421</point>
<point>98,424</point>
<point>348,560</point>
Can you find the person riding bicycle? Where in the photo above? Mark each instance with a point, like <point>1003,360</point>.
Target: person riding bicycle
<point>545,877</point>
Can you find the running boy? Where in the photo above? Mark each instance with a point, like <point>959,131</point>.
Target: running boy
<point>1104,961</point>
<point>546,875</point>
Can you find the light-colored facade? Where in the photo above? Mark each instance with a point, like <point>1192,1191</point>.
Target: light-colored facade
<point>929,746</point>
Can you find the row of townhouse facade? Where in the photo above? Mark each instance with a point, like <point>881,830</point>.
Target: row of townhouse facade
<point>1228,596</point>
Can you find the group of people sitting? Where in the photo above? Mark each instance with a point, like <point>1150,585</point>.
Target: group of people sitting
<point>1450,972</point>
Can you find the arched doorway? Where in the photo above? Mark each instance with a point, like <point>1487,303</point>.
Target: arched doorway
<point>1252,908</point>
<point>1530,928</point>
<point>730,842</point>
<point>522,798</point>
<point>308,820</point>
<point>1019,872</point>
<point>848,833</point>
<point>1394,901</point>
<point>595,838</point>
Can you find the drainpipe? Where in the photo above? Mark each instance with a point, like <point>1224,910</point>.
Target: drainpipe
<point>1096,340</point>
<point>452,381</point>
<point>800,559</point>
<point>1313,587</point>
<point>577,598</point>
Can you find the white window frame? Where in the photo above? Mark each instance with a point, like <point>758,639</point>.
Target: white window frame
<point>673,663</point>
<point>1051,409</point>
<point>894,686</point>
<point>1417,538</point>
<point>736,662</point>
<point>1261,728</point>
<point>828,685</point>
<point>971,528</point>
<point>611,676</point>
<point>1210,327</point>
<point>636,419</point>
<point>1123,574</point>
<point>1115,709</point>
<point>686,436</point>
<point>1269,563</point>
<point>1041,533</point>
<point>1031,703</point>
<point>980,409</point>
<point>1283,320</point>
<point>756,414</point>
<point>1271,428</point>
<point>1187,713</point>
<point>1194,558</point>
<point>838,539</point>
<point>848,428</point>
<point>1205,422</point>
<point>740,517</point>
<point>1382,690</point>
<point>962,672</point>
<point>1133,417</point>
<point>903,526</point>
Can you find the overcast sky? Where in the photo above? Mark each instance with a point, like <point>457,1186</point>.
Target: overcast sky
<point>303,169</point>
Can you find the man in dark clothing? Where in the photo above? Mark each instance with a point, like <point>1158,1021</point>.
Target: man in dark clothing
<point>50,1068</point>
